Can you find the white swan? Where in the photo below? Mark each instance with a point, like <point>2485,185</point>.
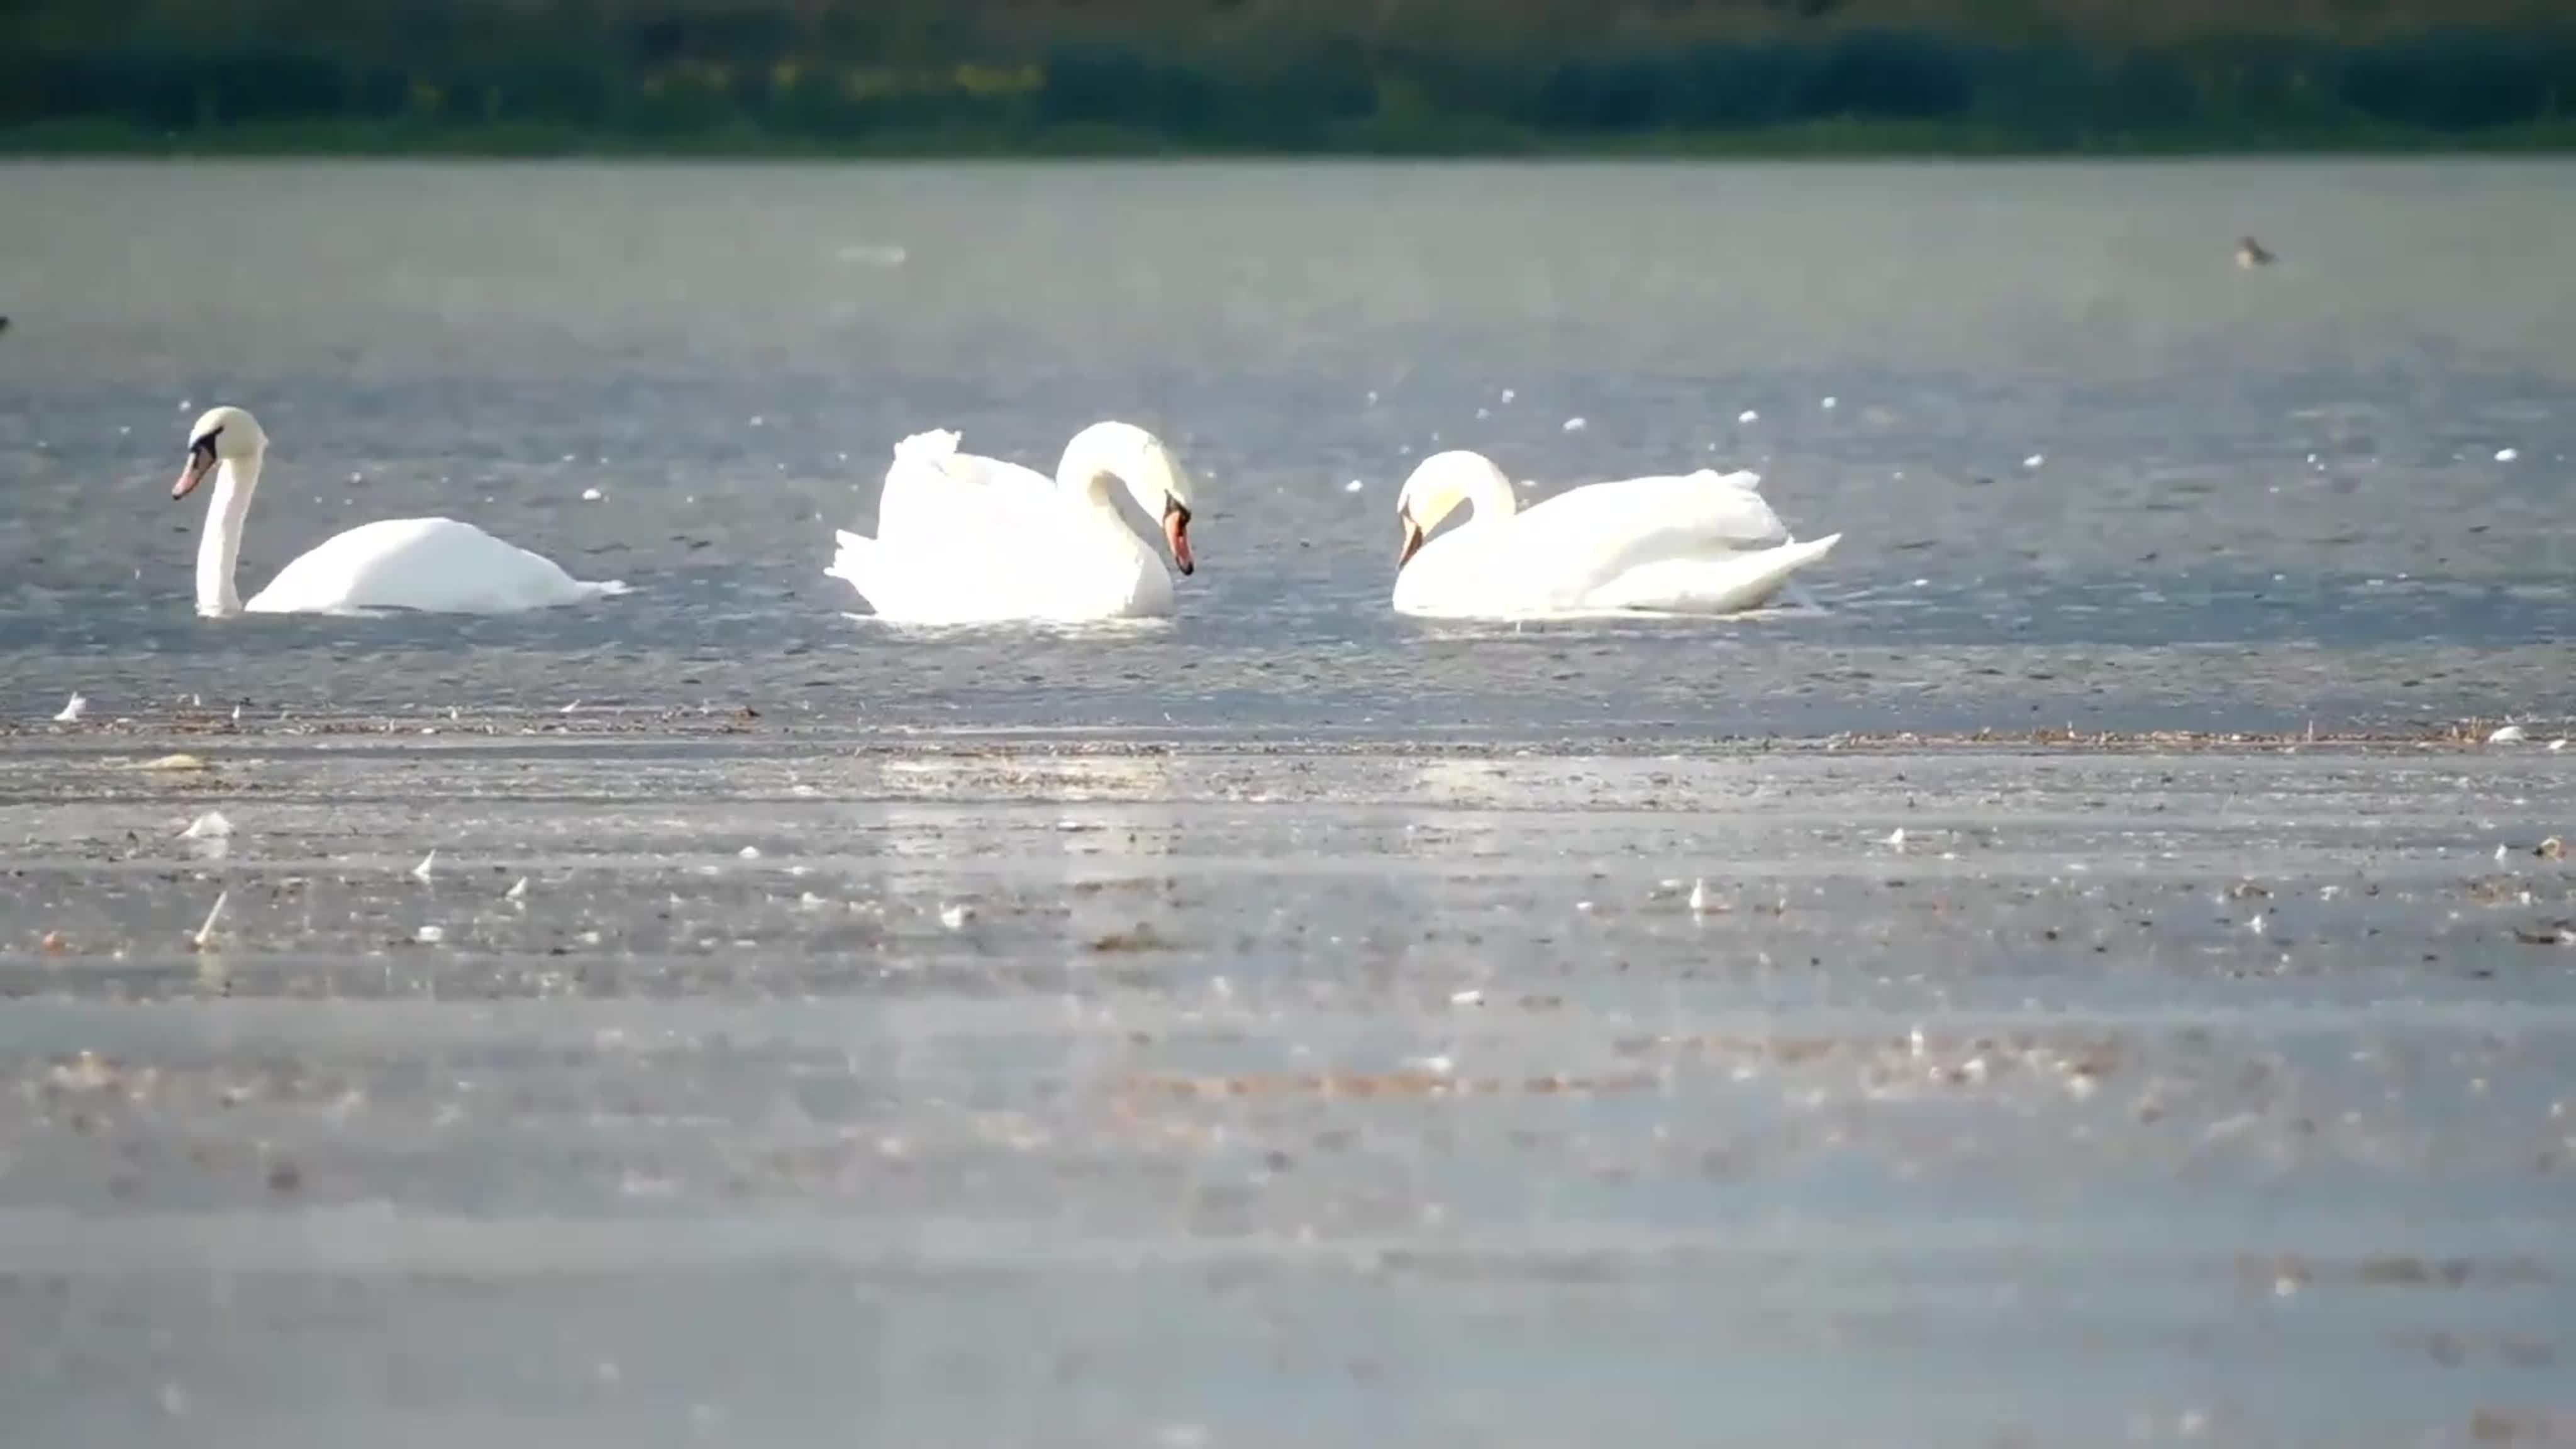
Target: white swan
<point>430,564</point>
<point>968,540</point>
<point>1706,543</point>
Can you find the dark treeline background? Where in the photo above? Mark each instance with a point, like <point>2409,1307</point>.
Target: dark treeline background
<point>1281,74</point>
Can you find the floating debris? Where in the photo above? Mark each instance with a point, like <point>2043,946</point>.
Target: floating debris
<point>430,935</point>
<point>2507,455</point>
<point>1469,997</point>
<point>591,495</point>
<point>203,938</point>
<point>87,1072</point>
<point>1576,425</point>
<point>749,852</point>
<point>210,826</point>
<point>1748,416</point>
<point>1143,938</point>
<point>175,762</point>
<point>1353,486</point>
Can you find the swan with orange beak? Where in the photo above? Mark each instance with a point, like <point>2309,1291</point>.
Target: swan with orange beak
<point>963,539</point>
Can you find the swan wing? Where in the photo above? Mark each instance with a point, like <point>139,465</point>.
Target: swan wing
<point>1660,517</point>
<point>433,565</point>
<point>1722,584</point>
<point>928,475</point>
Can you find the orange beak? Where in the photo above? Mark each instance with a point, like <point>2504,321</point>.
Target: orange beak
<point>1176,532</point>
<point>201,461</point>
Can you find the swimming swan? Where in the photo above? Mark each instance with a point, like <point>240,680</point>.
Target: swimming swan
<point>1706,543</point>
<point>963,539</point>
<point>434,565</point>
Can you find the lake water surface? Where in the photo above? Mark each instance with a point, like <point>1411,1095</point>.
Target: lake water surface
<point>2087,470</point>
<point>707,1018</point>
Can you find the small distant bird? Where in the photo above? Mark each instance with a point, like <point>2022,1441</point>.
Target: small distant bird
<point>4,323</point>
<point>2250,254</point>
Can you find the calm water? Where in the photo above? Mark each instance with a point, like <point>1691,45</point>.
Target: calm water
<point>2262,497</point>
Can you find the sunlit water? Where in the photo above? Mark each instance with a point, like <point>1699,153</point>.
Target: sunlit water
<point>747,1091</point>
<point>1292,1025</point>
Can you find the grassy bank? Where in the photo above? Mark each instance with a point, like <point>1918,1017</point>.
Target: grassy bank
<point>1405,77</point>
<point>747,140</point>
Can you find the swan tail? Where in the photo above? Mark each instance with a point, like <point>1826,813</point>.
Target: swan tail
<point>929,447</point>
<point>1713,586</point>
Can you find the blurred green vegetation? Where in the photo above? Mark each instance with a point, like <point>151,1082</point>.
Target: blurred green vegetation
<point>1432,76</point>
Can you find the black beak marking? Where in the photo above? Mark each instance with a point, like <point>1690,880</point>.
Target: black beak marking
<point>201,461</point>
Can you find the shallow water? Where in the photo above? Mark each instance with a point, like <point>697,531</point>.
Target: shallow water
<point>1042,1097</point>
<point>2261,497</point>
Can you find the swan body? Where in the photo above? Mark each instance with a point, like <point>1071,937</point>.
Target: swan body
<point>963,539</point>
<point>1701,543</point>
<point>431,565</point>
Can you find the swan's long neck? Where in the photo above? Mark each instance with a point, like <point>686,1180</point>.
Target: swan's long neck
<point>1487,492</point>
<point>219,548</point>
<point>1091,467</point>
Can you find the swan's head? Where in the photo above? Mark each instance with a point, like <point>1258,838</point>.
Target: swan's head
<point>1176,532</point>
<point>1438,485</point>
<point>222,434</point>
<point>1153,476</point>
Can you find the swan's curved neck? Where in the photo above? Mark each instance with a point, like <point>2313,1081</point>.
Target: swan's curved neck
<point>1485,491</point>
<point>1089,469</point>
<point>219,548</point>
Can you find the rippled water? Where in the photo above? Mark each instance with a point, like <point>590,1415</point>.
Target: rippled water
<point>2260,497</point>
<point>705,1017</point>
<point>753,1092</point>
